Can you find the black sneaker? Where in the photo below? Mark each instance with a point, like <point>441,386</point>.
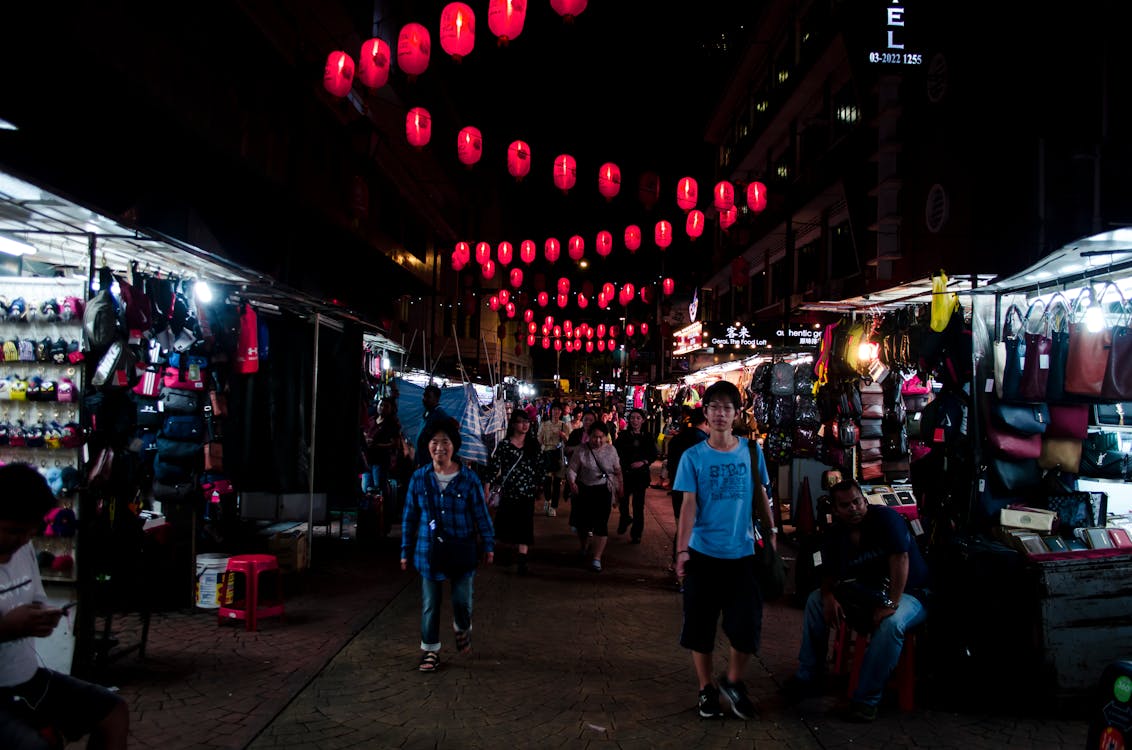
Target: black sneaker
<point>859,713</point>
<point>736,692</point>
<point>709,703</point>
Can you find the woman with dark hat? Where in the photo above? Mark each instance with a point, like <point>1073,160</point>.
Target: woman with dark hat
<point>516,470</point>
<point>445,501</point>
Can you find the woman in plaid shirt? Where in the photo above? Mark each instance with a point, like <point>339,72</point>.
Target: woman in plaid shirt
<point>454,494</point>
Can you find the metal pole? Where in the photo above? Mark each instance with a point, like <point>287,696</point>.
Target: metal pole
<point>314,432</point>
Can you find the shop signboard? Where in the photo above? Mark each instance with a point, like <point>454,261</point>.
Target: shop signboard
<point>752,337</point>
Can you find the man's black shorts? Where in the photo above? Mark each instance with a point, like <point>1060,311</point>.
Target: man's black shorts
<point>713,586</point>
<point>51,699</point>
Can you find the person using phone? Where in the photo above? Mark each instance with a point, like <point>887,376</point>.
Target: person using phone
<point>36,703</point>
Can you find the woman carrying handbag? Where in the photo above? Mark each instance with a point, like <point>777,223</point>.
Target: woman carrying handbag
<point>517,464</point>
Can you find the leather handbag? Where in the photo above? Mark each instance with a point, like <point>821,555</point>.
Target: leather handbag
<point>1009,476</point>
<point>1029,419</point>
<point>872,428</point>
<point>1009,443</point>
<point>1068,421</point>
<point>1007,358</point>
<point>1038,345</point>
<point>1101,457</point>
<point>870,449</point>
<point>1060,453</point>
<point>1117,385</point>
<point>1087,358</point>
<point>1058,313</point>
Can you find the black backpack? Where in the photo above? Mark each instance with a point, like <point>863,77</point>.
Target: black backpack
<point>100,322</point>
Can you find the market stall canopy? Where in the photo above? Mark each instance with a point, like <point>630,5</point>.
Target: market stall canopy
<point>59,237</point>
<point>911,293</point>
<point>1091,259</point>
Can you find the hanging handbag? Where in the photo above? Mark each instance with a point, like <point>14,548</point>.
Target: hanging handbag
<point>1028,419</point>
<point>495,497</point>
<point>1035,369</point>
<point>1009,476</point>
<point>1058,313</point>
<point>1088,350</point>
<point>1117,385</point>
<point>1007,359</point>
<point>1063,454</point>
<point>1068,421</point>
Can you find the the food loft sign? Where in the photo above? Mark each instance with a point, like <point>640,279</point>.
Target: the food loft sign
<point>893,47</point>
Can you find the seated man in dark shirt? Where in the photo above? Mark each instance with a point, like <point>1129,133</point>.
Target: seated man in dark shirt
<point>872,546</point>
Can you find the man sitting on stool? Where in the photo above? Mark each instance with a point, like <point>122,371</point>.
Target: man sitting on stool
<point>867,544</point>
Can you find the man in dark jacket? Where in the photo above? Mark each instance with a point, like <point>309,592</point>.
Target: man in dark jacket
<point>636,450</point>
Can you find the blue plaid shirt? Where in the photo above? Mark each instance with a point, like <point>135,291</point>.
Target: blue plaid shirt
<point>461,507</point>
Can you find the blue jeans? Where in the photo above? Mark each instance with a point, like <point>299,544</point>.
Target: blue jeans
<point>881,655</point>
<point>431,596</point>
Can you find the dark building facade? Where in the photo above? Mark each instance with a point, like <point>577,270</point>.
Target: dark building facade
<point>897,138</point>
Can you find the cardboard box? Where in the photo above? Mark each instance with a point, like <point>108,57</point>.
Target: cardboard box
<point>1034,519</point>
<point>290,548</point>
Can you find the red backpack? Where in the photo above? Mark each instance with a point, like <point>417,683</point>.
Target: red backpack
<point>247,351</point>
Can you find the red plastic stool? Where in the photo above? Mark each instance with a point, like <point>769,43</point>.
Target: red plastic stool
<point>251,609</point>
<point>903,677</point>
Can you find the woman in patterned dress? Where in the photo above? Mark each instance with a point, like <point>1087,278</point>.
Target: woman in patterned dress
<point>516,468</point>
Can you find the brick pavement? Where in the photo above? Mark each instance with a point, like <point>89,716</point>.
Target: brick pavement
<point>561,658</point>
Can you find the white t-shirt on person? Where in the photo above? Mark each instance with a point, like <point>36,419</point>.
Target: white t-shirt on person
<point>19,584</point>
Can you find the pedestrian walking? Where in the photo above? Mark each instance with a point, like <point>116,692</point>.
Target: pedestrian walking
<point>445,527</point>
<point>636,451</point>
<point>516,470</point>
<point>595,479</point>
<point>721,478</point>
<point>552,436</point>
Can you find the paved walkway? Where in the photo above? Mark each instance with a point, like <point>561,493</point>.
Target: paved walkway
<point>561,658</point>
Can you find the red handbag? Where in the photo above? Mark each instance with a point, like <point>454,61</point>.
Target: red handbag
<point>1007,443</point>
<point>1035,367</point>
<point>1068,421</point>
<point>1088,350</point>
<point>1117,385</point>
<point>182,379</point>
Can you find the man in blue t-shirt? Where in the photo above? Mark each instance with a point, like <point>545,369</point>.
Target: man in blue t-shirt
<point>872,546</point>
<point>724,489</point>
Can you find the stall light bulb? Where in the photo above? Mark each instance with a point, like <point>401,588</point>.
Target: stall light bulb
<point>385,363</point>
<point>202,292</point>
<point>868,351</point>
<point>1094,319</point>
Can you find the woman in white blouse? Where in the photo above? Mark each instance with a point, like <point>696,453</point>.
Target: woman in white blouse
<point>594,474</point>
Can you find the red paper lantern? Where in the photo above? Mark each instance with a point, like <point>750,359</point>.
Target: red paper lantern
<point>564,285</point>
<point>646,295</point>
<point>695,223</point>
<point>577,247</point>
<point>583,303</point>
<point>558,345</point>
<point>464,251</point>
<point>649,189</point>
<point>756,197</point>
<point>338,76</point>
<point>601,330</point>
<point>609,180</point>
<point>687,193</point>
<point>483,252</point>
<point>589,331</point>
<point>527,251</point>
<point>632,238</point>
<point>543,299</point>
<point>611,345</point>
<point>549,322</point>
<point>418,127</point>
<point>629,330</point>
<point>413,49</point>
<point>458,261</point>
<point>567,327</point>
<point>516,277</point>
<point>532,327</point>
<point>552,249</point>
<point>569,345</point>
<point>612,331</point>
<point>724,195</point>
<point>556,331</point>
<point>668,286</point>
<point>519,159</point>
<point>568,9</point>
<point>493,302</point>
<point>608,289</point>
<point>504,296</point>
<point>545,342</point>
<point>603,300</point>
<point>531,339</point>
<point>373,63</point>
<point>529,316</point>
<point>505,19</point>
<point>628,291</point>
<point>488,268</point>
<point>663,234</point>
<point>545,330</point>
<point>469,146</point>
<point>510,309</point>
<point>563,300</point>
<point>728,217</point>
<point>604,243</point>
<point>589,347</point>
<point>565,172</point>
<point>457,30</point>
<point>601,345</point>
<point>644,329</point>
<point>505,253</point>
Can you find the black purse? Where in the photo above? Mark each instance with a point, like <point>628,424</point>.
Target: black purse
<point>859,600</point>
